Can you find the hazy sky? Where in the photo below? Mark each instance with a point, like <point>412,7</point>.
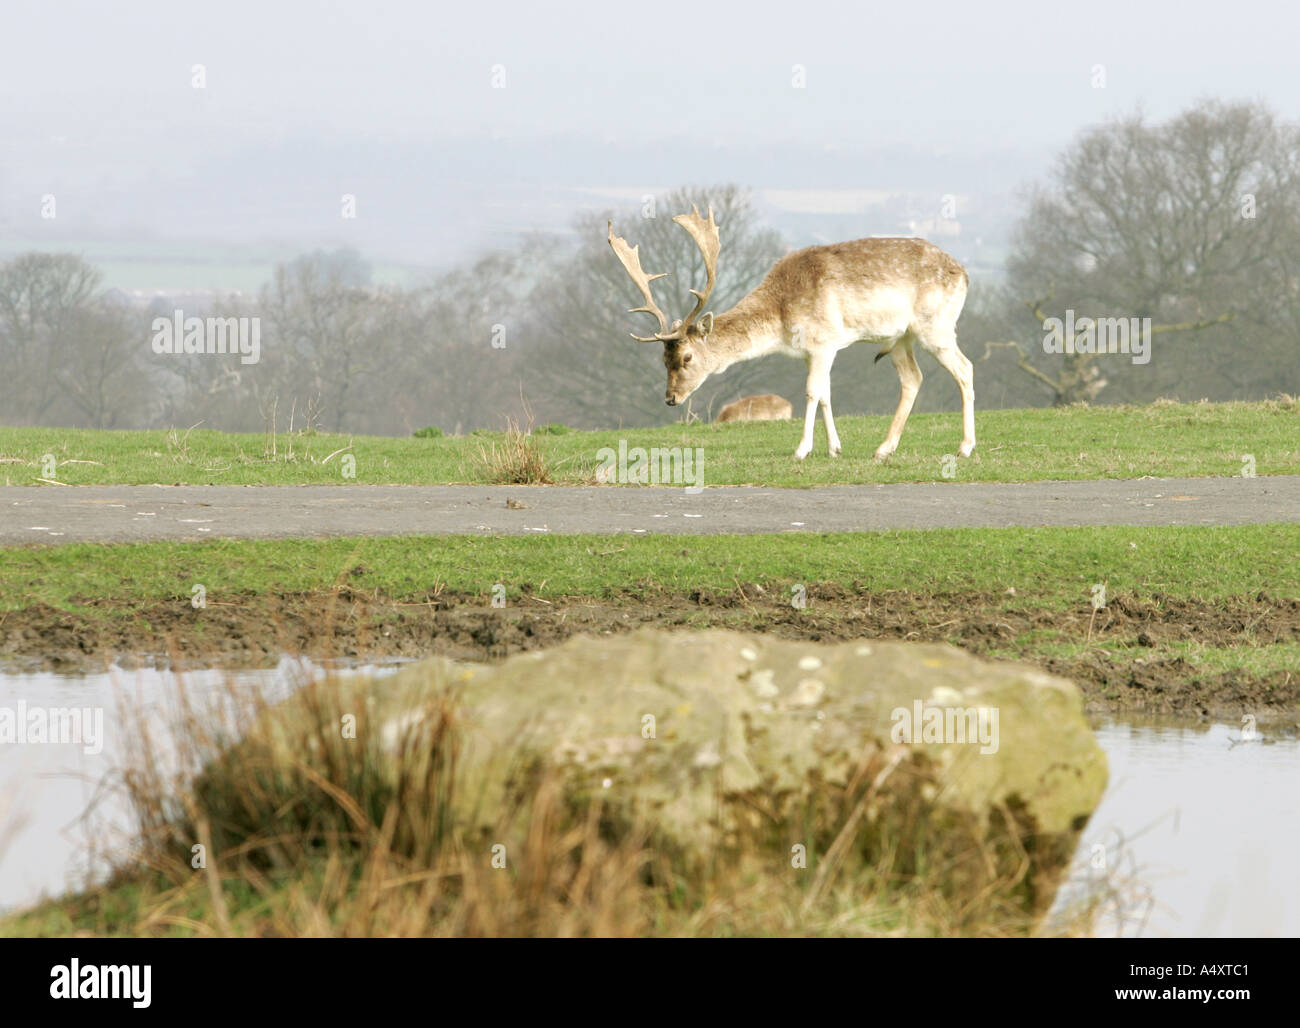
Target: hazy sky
<point>939,74</point>
<point>96,98</point>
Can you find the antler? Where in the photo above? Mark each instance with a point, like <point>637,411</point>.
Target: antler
<point>705,233</point>
<point>631,261</point>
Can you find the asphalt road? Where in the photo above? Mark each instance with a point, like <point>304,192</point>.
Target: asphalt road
<point>53,515</point>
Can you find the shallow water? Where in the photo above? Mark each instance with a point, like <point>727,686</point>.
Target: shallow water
<point>1197,834</point>
<point>59,808</point>
<point>1198,830</point>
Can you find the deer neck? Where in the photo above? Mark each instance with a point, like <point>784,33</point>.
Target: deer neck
<point>746,331</point>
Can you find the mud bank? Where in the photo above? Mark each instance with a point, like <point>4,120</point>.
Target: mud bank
<point>345,624</point>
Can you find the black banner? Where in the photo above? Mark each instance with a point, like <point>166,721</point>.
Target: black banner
<point>331,978</point>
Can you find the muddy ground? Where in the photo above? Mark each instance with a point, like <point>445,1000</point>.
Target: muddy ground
<point>350,625</point>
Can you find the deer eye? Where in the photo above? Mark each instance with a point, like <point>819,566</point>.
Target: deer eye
<point>686,358</point>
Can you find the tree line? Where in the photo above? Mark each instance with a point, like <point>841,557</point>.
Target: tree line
<point>1190,227</point>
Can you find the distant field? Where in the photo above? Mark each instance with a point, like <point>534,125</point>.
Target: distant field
<point>174,266</point>
<point>1159,440</point>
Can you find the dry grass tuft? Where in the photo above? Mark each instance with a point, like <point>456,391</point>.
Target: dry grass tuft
<point>517,461</point>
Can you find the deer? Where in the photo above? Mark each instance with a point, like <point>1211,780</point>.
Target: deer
<point>898,293</point>
<point>764,407</point>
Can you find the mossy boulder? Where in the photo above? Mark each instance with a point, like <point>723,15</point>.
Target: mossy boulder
<point>896,756</point>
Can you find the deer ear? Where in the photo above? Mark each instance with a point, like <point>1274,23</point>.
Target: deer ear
<point>705,323</point>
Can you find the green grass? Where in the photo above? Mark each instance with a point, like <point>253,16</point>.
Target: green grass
<point>1161,440</point>
<point>1047,566</point>
<point>1258,660</point>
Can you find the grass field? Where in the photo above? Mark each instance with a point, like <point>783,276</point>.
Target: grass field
<point>1192,618</point>
<point>1045,566</point>
<point>1159,440</point>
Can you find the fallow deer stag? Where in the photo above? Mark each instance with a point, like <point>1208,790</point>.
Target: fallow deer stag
<point>896,293</point>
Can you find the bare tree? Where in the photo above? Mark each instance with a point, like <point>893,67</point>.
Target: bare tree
<point>42,297</point>
<point>102,369</point>
<point>220,391</point>
<point>322,314</point>
<point>1192,224</point>
<point>460,338</point>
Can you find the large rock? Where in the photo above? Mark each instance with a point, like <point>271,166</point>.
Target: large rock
<point>727,742</point>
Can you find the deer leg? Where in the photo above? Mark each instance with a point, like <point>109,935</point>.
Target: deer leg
<point>818,391</point>
<point>909,378</point>
<point>809,424</point>
<point>959,366</point>
<point>832,437</point>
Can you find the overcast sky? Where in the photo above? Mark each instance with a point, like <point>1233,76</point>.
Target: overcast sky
<point>98,97</point>
<point>935,73</point>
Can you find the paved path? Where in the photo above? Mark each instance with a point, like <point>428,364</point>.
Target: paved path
<point>52,514</point>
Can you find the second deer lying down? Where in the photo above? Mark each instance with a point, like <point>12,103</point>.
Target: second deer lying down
<point>763,407</point>
<point>896,293</point>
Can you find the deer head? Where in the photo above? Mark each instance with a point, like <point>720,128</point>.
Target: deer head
<point>685,354</point>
